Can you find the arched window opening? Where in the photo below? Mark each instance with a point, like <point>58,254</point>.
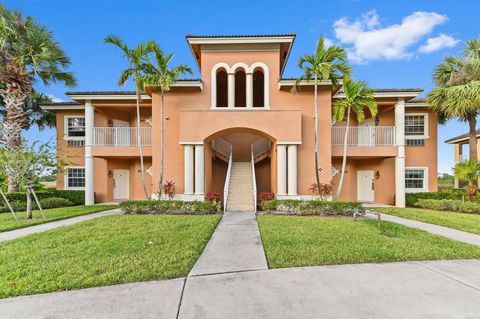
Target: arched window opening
<point>258,89</point>
<point>222,88</point>
<point>240,89</point>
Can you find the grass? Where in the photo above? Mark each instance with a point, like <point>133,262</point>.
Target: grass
<point>7,222</point>
<point>292,241</point>
<point>105,251</point>
<point>466,222</point>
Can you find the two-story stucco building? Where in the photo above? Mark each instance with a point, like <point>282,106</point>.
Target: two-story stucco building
<point>239,131</point>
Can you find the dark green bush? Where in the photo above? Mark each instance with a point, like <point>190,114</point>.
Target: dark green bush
<point>171,207</point>
<point>18,200</point>
<point>449,205</point>
<point>452,194</point>
<point>313,207</point>
<point>54,202</point>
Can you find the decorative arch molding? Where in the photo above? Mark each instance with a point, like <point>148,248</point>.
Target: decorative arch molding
<point>213,80</point>
<point>231,82</point>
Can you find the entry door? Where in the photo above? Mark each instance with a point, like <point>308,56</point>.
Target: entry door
<point>121,184</point>
<point>366,134</point>
<point>122,133</point>
<point>365,186</point>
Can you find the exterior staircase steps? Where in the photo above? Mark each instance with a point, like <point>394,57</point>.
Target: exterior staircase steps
<point>240,190</point>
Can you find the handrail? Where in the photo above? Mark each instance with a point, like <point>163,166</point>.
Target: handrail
<point>364,136</point>
<point>261,146</point>
<point>121,136</point>
<point>254,183</point>
<point>222,146</point>
<point>227,180</point>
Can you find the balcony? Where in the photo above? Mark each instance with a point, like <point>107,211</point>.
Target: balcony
<point>121,141</point>
<point>365,141</point>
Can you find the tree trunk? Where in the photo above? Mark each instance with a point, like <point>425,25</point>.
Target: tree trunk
<point>140,146</point>
<point>344,160</point>
<point>472,138</point>
<point>317,173</point>
<point>162,167</point>
<point>29,203</point>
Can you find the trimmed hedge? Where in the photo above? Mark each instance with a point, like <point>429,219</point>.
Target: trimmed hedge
<point>312,207</point>
<point>57,198</point>
<point>450,205</point>
<point>452,194</point>
<point>171,207</point>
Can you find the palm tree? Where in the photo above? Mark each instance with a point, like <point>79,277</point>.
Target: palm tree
<point>457,92</point>
<point>27,52</point>
<point>357,97</point>
<point>326,64</point>
<point>159,75</point>
<point>137,59</point>
<point>469,170</point>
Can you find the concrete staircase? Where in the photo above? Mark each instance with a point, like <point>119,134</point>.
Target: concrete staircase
<point>240,190</point>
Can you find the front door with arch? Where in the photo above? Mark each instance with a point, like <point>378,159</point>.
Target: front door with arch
<point>365,186</point>
<point>121,184</point>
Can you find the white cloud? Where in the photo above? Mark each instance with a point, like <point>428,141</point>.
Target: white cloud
<point>367,39</point>
<point>54,98</point>
<point>327,42</point>
<point>437,43</point>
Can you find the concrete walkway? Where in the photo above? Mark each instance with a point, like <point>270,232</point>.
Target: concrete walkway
<point>235,246</point>
<point>459,235</point>
<point>438,289</point>
<point>17,233</point>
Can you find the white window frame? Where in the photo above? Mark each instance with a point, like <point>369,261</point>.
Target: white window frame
<point>425,180</point>
<point>65,128</point>
<point>425,127</point>
<point>65,178</point>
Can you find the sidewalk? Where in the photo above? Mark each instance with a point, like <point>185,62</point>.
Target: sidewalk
<point>235,246</point>
<point>17,233</point>
<point>459,235</point>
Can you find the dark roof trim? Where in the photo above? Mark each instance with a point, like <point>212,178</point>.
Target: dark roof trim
<point>190,36</point>
<point>61,103</point>
<point>461,138</point>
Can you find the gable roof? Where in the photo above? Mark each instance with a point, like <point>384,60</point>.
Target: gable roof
<point>461,138</point>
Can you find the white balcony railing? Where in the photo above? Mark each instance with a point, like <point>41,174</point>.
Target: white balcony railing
<point>364,136</point>
<point>121,136</point>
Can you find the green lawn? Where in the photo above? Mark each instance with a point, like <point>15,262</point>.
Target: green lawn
<point>7,222</point>
<point>105,251</point>
<point>292,241</point>
<point>466,222</point>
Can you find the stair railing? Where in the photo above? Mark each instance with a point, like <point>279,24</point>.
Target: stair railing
<point>227,178</point>
<point>221,146</point>
<point>261,146</point>
<point>254,182</point>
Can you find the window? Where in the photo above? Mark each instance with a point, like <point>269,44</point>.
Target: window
<point>416,126</point>
<point>222,89</point>
<point>74,127</point>
<point>75,178</point>
<point>415,179</point>
<point>240,89</point>
<point>415,142</point>
<point>258,89</point>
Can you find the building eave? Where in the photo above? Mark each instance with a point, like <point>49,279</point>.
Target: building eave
<point>292,82</point>
<point>62,106</point>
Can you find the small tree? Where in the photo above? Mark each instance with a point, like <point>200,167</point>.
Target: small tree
<point>27,164</point>
<point>469,170</point>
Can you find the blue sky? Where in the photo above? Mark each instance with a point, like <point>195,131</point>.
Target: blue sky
<point>390,43</point>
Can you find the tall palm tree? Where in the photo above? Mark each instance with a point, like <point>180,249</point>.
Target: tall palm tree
<point>159,74</point>
<point>358,97</point>
<point>457,92</point>
<point>28,52</point>
<point>326,64</point>
<point>137,59</point>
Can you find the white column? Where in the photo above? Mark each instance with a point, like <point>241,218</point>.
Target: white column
<point>231,90</point>
<point>249,84</point>
<point>199,170</point>
<point>281,169</point>
<point>400,159</point>
<point>89,160</point>
<point>292,170</point>
<point>188,167</point>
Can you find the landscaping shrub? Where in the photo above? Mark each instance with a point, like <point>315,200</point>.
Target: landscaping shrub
<point>55,202</point>
<point>171,207</point>
<point>452,194</point>
<point>212,196</point>
<point>450,205</point>
<point>18,200</point>
<point>265,197</point>
<point>313,207</point>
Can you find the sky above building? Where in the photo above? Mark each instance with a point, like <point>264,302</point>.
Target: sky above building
<point>390,44</point>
